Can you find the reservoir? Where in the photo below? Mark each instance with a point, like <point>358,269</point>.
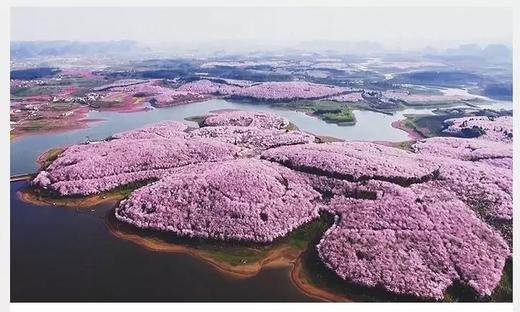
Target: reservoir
<point>370,126</point>
<point>67,254</point>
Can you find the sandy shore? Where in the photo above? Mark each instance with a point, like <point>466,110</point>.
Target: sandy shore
<point>413,134</point>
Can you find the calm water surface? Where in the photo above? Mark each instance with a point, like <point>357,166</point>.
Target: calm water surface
<point>65,254</point>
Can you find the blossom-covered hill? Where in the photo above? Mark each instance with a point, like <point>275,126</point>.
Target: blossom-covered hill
<point>245,199</point>
<point>245,119</point>
<point>493,129</point>
<point>410,222</point>
<point>289,90</point>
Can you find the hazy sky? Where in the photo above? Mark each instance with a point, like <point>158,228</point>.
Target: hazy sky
<point>393,27</point>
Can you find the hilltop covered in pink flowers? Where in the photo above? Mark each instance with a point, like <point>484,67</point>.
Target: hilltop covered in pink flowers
<point>411,223</point>
<point>245,199</point>
<point>151,152</point>
<point>245,119</point>
<point>165,129</point>
<point>158,93</point>
<point>252,137</point>
<point>287,90</point>
<point>355,161</point>
<point>151,90</point>
<point>472,181</point>
<point>485,151</point>
<point>483,127</point>
<point>415,240</point>
<point>93,168</point>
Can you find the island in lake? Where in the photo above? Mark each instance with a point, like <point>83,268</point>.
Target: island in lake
<point>245,177</point>
<point>269,178</point>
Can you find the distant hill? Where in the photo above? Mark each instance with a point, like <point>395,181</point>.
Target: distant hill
<point>34,73</point>
<point>474,52</point>
<point>440,78</point>
<point>499,91</point>
<point>26,49</point>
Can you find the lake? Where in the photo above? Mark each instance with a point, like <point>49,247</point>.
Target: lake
<point>65,254</point>
<point>370,126</point>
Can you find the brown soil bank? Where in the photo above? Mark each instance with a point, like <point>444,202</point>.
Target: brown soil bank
<point>412,132</point>
<point>31,196</point>
<point>243,260</point>
<point>237,260</point>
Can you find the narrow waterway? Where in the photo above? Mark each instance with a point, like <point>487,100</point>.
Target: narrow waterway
<point>370,126</point>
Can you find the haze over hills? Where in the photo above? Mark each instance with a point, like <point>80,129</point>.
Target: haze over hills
<point>28,49</point>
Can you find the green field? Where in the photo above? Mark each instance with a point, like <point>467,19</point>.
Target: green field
<point>329,111</point>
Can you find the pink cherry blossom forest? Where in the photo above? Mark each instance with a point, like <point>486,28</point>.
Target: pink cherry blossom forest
<point>261,154</point>
<point>412,221</point>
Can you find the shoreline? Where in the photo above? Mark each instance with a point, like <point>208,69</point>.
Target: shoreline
<point>84,123</point>
<point>84,202</point>
<point>310,290</point>
<point>280,256</point>
<point>412,133</point>
<point>81,124</point>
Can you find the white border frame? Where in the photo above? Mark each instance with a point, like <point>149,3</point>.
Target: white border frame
<point>5,167</point>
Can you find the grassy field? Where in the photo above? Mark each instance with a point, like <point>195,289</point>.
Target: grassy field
<point>428,126</point>
<point>49,156</point>
<point>329,111</point>
<point>342,116</point>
